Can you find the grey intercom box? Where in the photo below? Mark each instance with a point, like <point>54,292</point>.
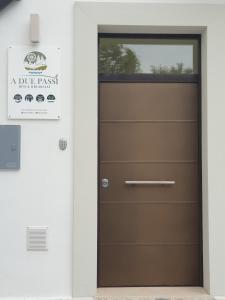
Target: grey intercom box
<point>10,147</point>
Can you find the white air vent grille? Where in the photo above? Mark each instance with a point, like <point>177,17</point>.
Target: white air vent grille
<point>37,238</point>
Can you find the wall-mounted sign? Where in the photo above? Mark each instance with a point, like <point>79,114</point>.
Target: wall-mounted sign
<point>33,83</point>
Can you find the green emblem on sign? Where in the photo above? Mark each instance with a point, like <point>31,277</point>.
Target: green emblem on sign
<point>35,61</point>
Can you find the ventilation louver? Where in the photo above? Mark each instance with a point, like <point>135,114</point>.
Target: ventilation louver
<point>37,238</point>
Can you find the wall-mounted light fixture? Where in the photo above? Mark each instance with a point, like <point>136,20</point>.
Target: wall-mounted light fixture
<point>34,28</point>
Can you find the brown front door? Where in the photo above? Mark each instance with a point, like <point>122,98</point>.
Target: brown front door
<point>149,186</point>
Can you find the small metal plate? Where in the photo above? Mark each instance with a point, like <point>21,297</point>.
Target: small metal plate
<point>105,182</point>
<point>62,144</point>
<point>10,147</point>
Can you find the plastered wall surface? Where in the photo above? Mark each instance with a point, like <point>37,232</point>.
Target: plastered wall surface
<point>41,193</point>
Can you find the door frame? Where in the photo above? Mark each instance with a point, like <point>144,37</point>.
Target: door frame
<point>152,78</point>
<point>94,18</point>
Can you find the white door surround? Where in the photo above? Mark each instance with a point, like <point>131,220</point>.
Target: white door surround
<point>133,17</point>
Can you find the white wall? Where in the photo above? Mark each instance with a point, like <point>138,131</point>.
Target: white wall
<point>41,192</point>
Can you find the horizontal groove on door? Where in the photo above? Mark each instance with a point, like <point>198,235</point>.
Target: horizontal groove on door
<point>147,244</point>
<point>149,202</point>
<point>149,162</point>
<point>148,121</point>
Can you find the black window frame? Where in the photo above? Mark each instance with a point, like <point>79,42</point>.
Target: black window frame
<point>160,78</point>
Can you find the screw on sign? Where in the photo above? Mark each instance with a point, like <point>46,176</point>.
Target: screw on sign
<point>40,98</point>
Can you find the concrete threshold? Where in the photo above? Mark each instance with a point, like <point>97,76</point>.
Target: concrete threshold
<point>152,293</point>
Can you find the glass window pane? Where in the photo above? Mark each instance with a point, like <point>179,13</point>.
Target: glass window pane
<point>148,56</point>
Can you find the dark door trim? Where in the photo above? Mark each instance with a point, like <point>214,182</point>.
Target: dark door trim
<point>157,78</point>
<point>150,78</point>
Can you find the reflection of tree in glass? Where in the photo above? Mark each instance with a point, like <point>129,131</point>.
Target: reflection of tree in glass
<point>115,58</point>
<point>178,69</point>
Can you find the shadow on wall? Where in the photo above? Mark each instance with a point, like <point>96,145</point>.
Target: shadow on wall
<point>4,3</point>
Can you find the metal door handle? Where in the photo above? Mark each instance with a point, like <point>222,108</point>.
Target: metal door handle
<point>150,182</point>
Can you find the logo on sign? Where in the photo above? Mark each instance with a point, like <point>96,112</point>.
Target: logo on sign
<point>35,61</point>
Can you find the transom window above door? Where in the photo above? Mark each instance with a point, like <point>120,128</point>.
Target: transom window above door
<point>165,56</point>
